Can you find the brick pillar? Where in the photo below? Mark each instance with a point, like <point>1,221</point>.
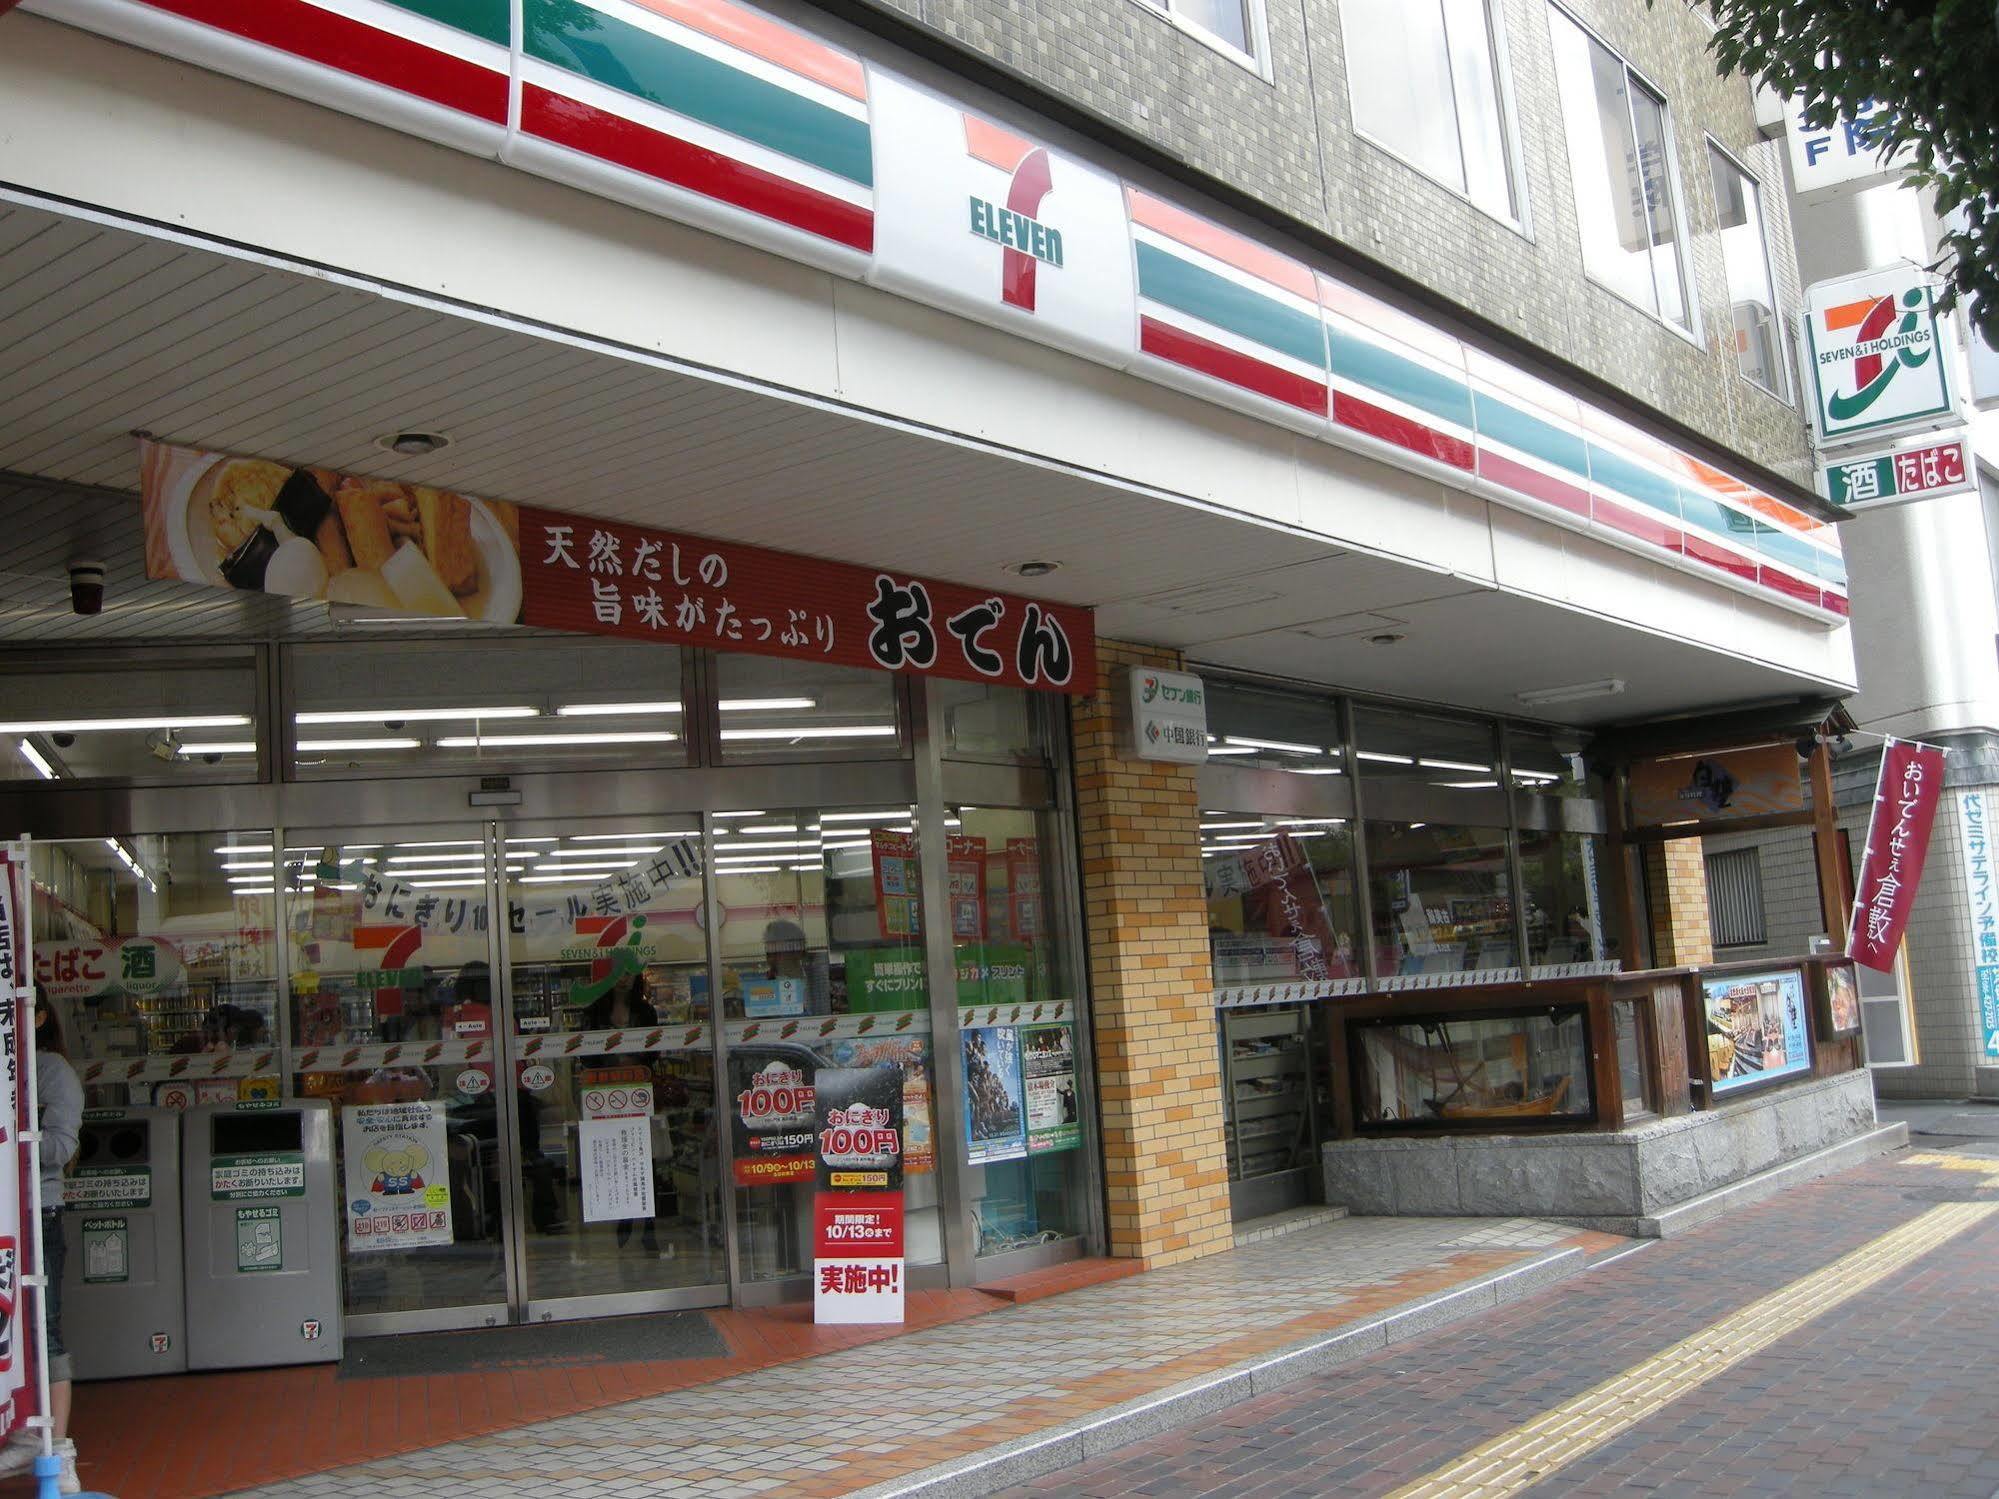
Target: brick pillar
<point>1676,891</point>
<point>1151,983</point>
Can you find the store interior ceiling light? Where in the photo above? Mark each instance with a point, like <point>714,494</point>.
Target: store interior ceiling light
<point>1218,827</point>
<point>807,731</point>
<point>348,746</point>
<point>246,848</point>
<point>768,827</point>
<point>1279,746</point>
<point>1230,749</point>
<point>767,704</point>
<point>1381,758</point>
<point>412,715</point>
<point>219,747</point>
<point>854,816</point>
<point>756,869</point>
<point>565,865</point>
<point>432,843</point>
<point>602,851</point>
<point>526,741</point>
<point>738,816</point>
<point>430,884</point>
<point>233,864</point>
<point>736,845</point>
<point>413,443</point>
<point>1312,770</point>
<point>613,710</point>
<point>1575,693</point>
<point>623,837</point>
<point>549,838</point>
<point>1538,777</point>
<point>520,858</point>
<point>1475,769</point>
<point>1468,785</point>
<point>33,756</point>
<point>116,725</point>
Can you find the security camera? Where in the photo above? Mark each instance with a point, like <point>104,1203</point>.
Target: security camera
<point>63,741</point>
<point>86,586</point>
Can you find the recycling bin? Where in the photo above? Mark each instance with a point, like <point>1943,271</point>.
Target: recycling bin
<point>261,1222</point>
<point>123,1312</point>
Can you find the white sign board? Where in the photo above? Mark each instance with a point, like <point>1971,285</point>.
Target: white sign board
<point>1874,361</point>
<point>1981,897</point>
<point>1169,716</point>
<point>1841,156</point>
<point>398,1172</point>
<point>614,1140</point>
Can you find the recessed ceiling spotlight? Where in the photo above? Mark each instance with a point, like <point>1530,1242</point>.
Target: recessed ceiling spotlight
<point>1033,569</point>
<point>412,444</point>
<point>1386,639</point>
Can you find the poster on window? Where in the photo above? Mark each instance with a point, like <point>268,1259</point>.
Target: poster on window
<point>773,1124</point>
<point>398,1175</point>
<point>614,1149</point>
<point>898,887</point>
<point>910,1056</point>
<point>995,1114</point>
<point>1023,886</point>
<point>1756,1029</point>
<point>966,864</point>
<point>857,1116</point>
<point>1048,1085</point>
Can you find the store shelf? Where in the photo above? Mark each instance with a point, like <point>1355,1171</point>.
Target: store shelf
<point>1269,1094</point>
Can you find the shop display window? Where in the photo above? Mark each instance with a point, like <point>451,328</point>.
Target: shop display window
<point>1562,883</point>
<point>158,952</point>
<point>1550,764</point>
<point>1509,1071</point>
<point>175,720</point>
<point>1271,729</point>
<point>770,708</point>
<point>823,967</point>
<point>1018,1027</point>
<point>1442,902</point>
<point>423,707</point>
<point>1280,892</point>
<point>986,721</point>
<point>1419,749</point>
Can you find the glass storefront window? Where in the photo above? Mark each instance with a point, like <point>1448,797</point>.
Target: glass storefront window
<point>1561,874</point>
<point>822,967</point>
<point>987,722</point>
<point>613,1053</point>
<point>1442,1070</point>
<point>775,709</point>
<point>1271,729</point>
<point>392,1020</point>
<point>1442,902</point>
<point>175,719</point>
<point>159,948</point>
<point>1421,750</point>
<point>1549,764</point>
<point>422,707</point>
<point>1281,905</point>
<point>1028,1179</point>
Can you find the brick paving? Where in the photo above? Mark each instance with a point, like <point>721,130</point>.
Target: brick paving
<point>1892,1393</point>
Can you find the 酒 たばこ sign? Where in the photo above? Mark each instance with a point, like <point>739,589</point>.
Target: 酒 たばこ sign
<point>1926,469</point>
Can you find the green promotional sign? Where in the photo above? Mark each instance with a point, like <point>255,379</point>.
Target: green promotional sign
<point>886,978</point>
<point>995,974</point>
<point>1048,1088</point>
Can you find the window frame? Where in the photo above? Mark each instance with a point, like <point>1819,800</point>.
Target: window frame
<point>1683,250</point>
<point>1750,855</point>
<point>1256,60</point>
<point>1780,320</point>
<point>1520,221</point>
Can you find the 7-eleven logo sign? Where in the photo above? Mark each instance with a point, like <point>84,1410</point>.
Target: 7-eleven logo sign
<point>1875,360</point>
<point>1025,242</point>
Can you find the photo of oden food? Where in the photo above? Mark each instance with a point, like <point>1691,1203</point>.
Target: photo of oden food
<point>264,527</point>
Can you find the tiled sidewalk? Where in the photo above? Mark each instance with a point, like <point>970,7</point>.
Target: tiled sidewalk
<point>869,1414</point>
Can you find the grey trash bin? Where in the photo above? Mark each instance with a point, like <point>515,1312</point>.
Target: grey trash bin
<point>261,1219</point>
<point>123,1309</point>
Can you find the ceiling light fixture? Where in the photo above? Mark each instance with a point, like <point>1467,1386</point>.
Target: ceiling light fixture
<point>220,747</point>
<point>766,704</point>
<point>34,757</point>
<point>1279,746</point>
<point>613,710</point>
<point>1608,687</point>
<point>1033,569</point>
<point>343,746</point>
<point>1455,765</point>
<point>622,837</point>
<point>526,741</point>
<point>726,816</point>
<point>806,731</point>
<point>414,443</point>
<point>1386,638</point>
<point>114,725</point>
<point>1384,759</point>
<point>412,715</point>
<point>854,816</point>
<point>229,849</point>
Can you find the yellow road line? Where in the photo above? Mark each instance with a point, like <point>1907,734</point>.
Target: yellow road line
<point>1984,1165</point>
<point>1526,1455</point>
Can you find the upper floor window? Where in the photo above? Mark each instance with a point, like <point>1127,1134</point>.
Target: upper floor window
<point>1228,25</point>
<point>1425,81</point>
<point>1752,294</point>
<point>1621,161</point>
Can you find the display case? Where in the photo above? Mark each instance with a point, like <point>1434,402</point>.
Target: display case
<point>1271,1108</point>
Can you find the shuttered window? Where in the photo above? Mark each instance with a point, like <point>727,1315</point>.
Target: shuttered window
<point>1735,898</point>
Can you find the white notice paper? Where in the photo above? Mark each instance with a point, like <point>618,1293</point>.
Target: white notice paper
<point>614,1140</point>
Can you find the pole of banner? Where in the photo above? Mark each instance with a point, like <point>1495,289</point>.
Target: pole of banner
<point>47,1466</point>
<point>1826,852</point>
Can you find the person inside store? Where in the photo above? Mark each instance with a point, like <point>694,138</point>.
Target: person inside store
<point>788,958</point>
<point>60,1101</point>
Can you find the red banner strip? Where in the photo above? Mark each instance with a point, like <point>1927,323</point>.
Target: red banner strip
<point>1898,844</point>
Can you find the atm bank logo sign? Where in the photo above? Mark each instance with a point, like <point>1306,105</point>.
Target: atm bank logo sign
<point>1026,243</point>
<point>1874,355</point>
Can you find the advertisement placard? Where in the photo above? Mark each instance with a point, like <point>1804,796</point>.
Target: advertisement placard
<point>966,868</point>
<point>773,1126</point>
<point>1981,895</point>
<point>910,1056</point>
<point>1756,1030</point>
<point>898,884</point>
<point>1719,787</point>
<point>1048,1084</point>
<point>614,1150</point>
<point>995,1113</point>
<point>857,1257</point>
<point>857,1116</point>
<point>1169,716</point>
<point>397,1176</point>
<point>1023,887</point>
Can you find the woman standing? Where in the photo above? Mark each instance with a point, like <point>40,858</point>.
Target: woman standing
<point>61,1102</point>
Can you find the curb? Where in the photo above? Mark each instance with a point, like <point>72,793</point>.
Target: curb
<point>1092,1436</point>
<point>1695,1211</point>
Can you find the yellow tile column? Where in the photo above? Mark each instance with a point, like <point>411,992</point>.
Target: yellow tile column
<point>1676,885</point>
<point>1151,983</point>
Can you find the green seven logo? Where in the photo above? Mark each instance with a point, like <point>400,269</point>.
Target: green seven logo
<point>1873,369</point>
